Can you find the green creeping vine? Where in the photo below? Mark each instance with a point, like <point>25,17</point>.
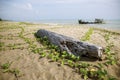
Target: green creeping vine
<point>74,62</point>
<point>14,46</point>
<point>1,36</point>
<point>5,66</point>
<point>86,37</point>
<point>110,56</point>
<point>111,59</point>
<point>32,47</point>
<point>2,44</point>
<point>6,69</point>
<point>107,37</point>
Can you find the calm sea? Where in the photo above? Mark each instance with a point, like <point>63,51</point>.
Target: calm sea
<point>109,24</point>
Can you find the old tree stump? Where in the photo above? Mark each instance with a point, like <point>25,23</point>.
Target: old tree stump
<point>72,46</point>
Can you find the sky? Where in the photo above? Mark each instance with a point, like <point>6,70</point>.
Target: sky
<point>31,10</point>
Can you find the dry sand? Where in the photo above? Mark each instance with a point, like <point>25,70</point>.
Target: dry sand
<point>31,67</point>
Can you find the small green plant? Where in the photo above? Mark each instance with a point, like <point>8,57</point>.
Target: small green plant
<point>62,62</point>
<point>21,33</point>
<point>108,48</point>
<point>87,35</point>
<point>1,36</point>
<point>84,65</point>
<point>33,46</point>
<point>43,54</point>
<point>64,54</point>
<point>15,71</point>
<point>70,63</point>
<point>68,56</point>
<point>6,69</point>
<point>36,50</point>
<point>84,73</point>
<point>73,57</point>
<point>107,37</point>
<point>6,65</point>
<point>1,44</point>
<point>102,74</point>
<point>112,78</point>
<point>54,57</point>
<point>111,60</point>
<point>14,46</point>
<point>28,40</point>
<point>92,73</point>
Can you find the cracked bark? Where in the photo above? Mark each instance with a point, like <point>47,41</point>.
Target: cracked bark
<point>71,45</point>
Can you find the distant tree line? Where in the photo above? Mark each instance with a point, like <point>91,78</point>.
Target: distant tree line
<point>0,19</point>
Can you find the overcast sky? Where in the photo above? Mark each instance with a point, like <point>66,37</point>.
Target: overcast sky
<point>22,10</point>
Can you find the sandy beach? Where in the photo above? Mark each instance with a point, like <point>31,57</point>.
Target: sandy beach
<point>23,64</point>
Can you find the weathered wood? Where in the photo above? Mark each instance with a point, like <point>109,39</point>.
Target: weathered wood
<point>72,46</point>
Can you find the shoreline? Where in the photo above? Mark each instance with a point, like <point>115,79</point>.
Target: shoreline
<point>114,31</point>
<point>117,31</point>
<point>109,24</point>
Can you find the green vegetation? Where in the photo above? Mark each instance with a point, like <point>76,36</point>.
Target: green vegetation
<point>15,71</point>
<point>6,69</point>
<point>110,56</point>
<point>25,23</point>
<point>2,44</point>
<point>1,36</point>
<point>107,37</point>
<point>107,31</point>
<point>21,33</point>
<point>8,38</point>
<point>84,73</point>
<point>86,37</point>
<point>14,46</point>
<point>97,72</point>
<point>6,66</point>
<point>7,27</point>
<point>52,52</point>
<point>32,47</point>
<point>0,19</point>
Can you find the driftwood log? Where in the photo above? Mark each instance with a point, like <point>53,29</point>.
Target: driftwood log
<point>72,46</point>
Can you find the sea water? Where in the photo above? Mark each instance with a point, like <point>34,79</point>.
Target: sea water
<point>109,24</point>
